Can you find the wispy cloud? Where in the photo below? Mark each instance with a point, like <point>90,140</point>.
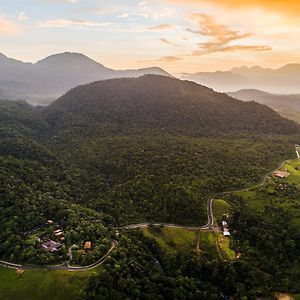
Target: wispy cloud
<point>168,59</point>
<point>165,41</point>
<point>220,37</point>
<point>144,10</point>
<point>72,23</point>
<point>162,27</point>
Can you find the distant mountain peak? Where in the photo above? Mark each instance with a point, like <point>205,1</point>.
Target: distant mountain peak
<point>67,58</point>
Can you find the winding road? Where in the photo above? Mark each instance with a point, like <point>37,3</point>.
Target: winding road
<point>65,266</point>
<point>210,222</point>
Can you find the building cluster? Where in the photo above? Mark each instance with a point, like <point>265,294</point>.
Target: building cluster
<point>50,245</point>
<point>54,246</point>
<point>225,228</point>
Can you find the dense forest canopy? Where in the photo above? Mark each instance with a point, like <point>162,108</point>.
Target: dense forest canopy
<point>123,151</point>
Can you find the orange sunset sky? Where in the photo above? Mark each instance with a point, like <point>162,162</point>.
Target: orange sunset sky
<point>179,36</point>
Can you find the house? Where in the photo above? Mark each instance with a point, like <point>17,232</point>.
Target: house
<point>226,232</point>
<point>87,245</point>
<point>58,233</point>
<point>51,246</point>
<point>224,223</point>
<point>281,174</point>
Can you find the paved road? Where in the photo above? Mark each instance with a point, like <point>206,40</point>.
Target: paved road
<point>209,225</point>
<point>65,266</point>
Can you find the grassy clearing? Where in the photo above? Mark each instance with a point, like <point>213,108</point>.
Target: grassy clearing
<point>220,207</point>
<point>208,244</point>
<point>224,246</point>
<point>42,285</point>
<point>293,166</point>
<point>272,193</point>
<point>173,239</point>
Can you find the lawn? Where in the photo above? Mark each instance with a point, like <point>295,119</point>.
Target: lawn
<point>220,207</point>
<point>208,244</point>
<point>173,239</point>
<point>293,166</point>
<point>224,246</point>
<point>42,285</point>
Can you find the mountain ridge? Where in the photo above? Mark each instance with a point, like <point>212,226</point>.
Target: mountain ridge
<point>167,104</point>
<point>54,75</point>
<point>282,80</point>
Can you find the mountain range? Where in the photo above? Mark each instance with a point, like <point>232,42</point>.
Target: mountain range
<point>148,149</point>
<point>42,82</point>
<point>276,101</point>
<point>287,106</point>
<point>284,80</point>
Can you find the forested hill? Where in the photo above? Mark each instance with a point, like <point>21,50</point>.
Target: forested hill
<point>158,102</point>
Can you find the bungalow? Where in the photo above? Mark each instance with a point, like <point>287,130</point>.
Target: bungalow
<point>281,174</point>
<point>87,245</point>
<point>51,246</point>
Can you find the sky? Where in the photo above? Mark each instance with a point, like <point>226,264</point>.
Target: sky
<point>181,36</point>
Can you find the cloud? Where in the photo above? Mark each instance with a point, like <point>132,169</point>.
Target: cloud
<point>72,23</point>
<point>290,7</point>
<point>7,27</point>
<point>169,59</point>
<point>220,37</point>
<point>144,10</point>
<point>165,41</point>
<point>22,16</point>
<point>161,27</point>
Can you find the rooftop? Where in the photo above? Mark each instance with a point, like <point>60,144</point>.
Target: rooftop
<point>51,246</point>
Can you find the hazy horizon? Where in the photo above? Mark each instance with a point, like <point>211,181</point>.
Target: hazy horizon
<point>178,36</point>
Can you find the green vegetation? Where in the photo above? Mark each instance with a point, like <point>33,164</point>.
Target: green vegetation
<point>220,208</point>
<point>173,239</point>
<point>42,285</point>
<point>208,245</point>
<point>149,149</point>
<point>265,226</point>
<point>140,269</point>
<point>224,246</point>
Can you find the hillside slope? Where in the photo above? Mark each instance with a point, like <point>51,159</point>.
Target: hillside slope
<point>160,103</point>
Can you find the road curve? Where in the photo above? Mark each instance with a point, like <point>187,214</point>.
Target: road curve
<point>63,267</point>
<point>210,222</point>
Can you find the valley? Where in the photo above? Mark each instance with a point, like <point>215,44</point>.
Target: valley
<point>145,156</point>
